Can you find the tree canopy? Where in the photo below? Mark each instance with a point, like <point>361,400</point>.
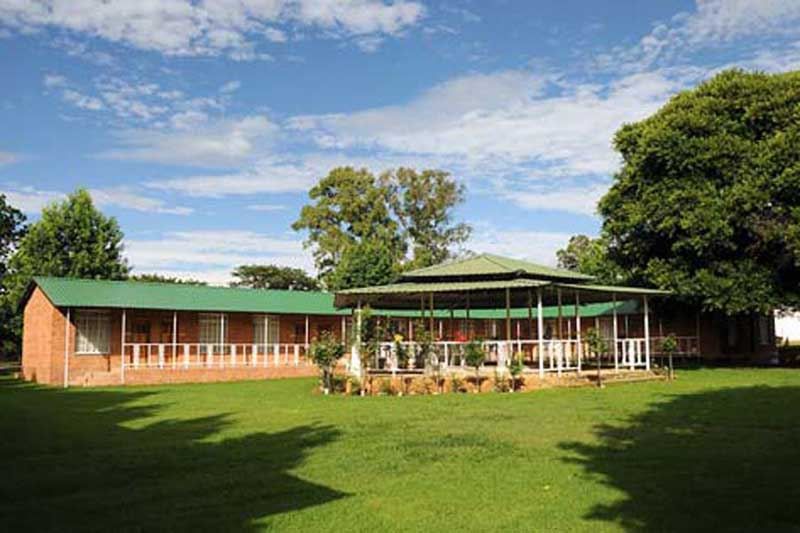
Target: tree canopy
<point>707,202</point>
<point>12,229</point>
<point>71,239</point>
<point>353,215</point>
<point>160,278</point>
<point>273,277</point>
<point>589,256</point>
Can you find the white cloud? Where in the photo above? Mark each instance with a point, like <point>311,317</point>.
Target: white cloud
<point>232,27</point>
<point>212,255</point>
<point>32,200</point>
<point>54,80</point>
<point>267,208</point>
<point>216,144</point>
<point>273,174</point>
<point>127,199</point>
<point>6,158</point>
<point>536,246</point>
<point>505,119</point>
<point>713,23</point>
<point>82,101</point>
<point>578,200</point>
<point>230,87</point>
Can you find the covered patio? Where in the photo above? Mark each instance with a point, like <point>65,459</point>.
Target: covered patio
<point>467,287</point>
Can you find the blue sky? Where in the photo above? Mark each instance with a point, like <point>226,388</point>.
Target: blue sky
<point>200,125</point>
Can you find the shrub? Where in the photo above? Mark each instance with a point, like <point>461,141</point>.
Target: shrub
<point>516,368</point>
<point>501,382</point>
<point>474,357</point>
<point>386,387</point>
<point>325,352</point>
<point>456,383</point>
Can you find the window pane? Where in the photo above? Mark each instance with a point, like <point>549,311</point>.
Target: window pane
<point>93,332</point>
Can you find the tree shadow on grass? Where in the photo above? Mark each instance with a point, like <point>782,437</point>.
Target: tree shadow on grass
<point>723,460</point>
<point>72,461</point>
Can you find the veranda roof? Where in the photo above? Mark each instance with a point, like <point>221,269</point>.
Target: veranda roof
<point>488,266</point>
<point>484,282</point>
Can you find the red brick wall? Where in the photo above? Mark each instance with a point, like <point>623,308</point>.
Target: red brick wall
<point>37,339</point>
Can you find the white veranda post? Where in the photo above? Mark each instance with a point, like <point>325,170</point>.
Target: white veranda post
<point>122,347</point>
<point>540,331</point>
<point>578,329</point>
<point>646,334</point>
<point>355,351</point>
<point>616,344</point>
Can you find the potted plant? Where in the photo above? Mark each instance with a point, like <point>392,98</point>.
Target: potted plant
<point>599,347</point>
<point>325,352</point>
<point>474,357</point>
<point>669,347</point>
<point>516,368</point>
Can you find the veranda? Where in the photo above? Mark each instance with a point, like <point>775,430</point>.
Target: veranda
<point>486,282</point>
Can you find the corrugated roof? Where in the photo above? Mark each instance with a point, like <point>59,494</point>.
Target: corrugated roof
<point>449,286</point>
<point>70,292</point>
<point>492,265</point>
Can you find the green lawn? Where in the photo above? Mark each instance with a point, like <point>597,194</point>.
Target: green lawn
<point>718,449</point>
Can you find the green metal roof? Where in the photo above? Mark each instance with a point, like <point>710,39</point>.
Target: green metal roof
<point>449,286</point>
<point>617,289</point>
<point>492,265</point>
<point>70,292</point>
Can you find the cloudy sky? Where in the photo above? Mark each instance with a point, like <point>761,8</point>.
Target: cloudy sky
<point>201,124</point>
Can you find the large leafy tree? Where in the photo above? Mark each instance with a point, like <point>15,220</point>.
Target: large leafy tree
<point>12,228</point>
<point>349,210</point>
<point>707,202</point>
<point>273,277</point>
<point>589,256</point>
<point>423,204</point>
<point>353,215</point>
<point>73,239</point>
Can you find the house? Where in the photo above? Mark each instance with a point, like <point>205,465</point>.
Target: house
<point>99,332</point>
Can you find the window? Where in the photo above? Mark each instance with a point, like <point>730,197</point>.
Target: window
<point>93,332</point>
<point>210,328</point>
<point>266,324</point>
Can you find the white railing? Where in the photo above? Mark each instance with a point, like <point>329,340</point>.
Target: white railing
<point>196,355</point>
<point>556,355</point>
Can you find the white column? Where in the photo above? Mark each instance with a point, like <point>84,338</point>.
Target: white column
<point>540,330</point>
<point>646,334</point>
<point>616,348</point>
<point>344,331</point>
<point>578,329</point>
<point>122,341</point>
<point>307,332</point>
<point>355,351</point>
<point>186,349</point>
<point>174,338</point>
<point>66,349</point>
<point>222,336</point>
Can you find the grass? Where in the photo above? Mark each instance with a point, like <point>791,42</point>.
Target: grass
<point>717,449</point>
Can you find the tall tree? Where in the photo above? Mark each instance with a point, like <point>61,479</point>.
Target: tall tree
<point>589,256</point>
<point>273,277</point>
<point>364,264</point>
<point>423,204</point>
<point>12,228</point>
<point>348,209</point>
<point>72,238</point>
<point>707,202</point>
<point>160,278</point>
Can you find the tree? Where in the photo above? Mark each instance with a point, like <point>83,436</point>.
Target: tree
<point>707,202</point>
<point>273,277</point>
<point>12,229</point>
<point>362,265</point>
<point>474,357</point>
<point>423,204</point>
<point>589,256</point>
<point>71,239</point>
<point>160,278</point>
<point>352,213</point>
<point>326,352</point>
<point>348,213</point>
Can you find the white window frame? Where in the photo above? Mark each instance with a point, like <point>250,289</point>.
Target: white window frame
<point>270,335</point>
<point>209,329</point>
<point>88,323</point>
